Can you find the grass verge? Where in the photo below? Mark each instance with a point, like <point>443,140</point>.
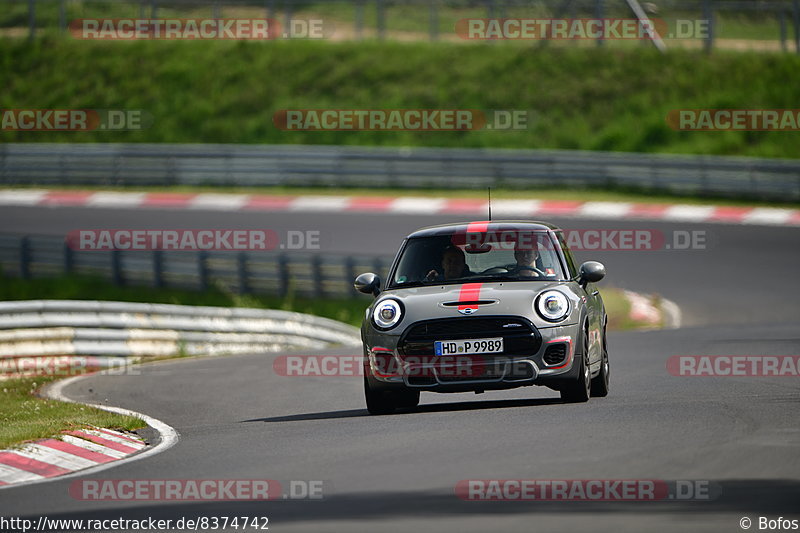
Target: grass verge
<point>25,417</point>
<point>578,98</point>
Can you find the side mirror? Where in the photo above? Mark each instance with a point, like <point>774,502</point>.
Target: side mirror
<point>368,283</point>
<point>591,272</point>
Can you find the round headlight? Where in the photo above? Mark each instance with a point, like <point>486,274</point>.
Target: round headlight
<point>387,313</point>
<point>552,306</point>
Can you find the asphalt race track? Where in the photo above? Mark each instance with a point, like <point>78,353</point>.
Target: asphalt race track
<point>239,420</point>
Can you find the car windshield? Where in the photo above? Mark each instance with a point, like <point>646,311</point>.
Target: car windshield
<point>478,256</point>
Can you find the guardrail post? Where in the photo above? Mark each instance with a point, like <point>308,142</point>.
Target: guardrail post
<point>708,14</point>
<point>3,163</point>
<point>116,267</point>
<point>377,265</point>
<point>153,9</point>
<point>241,268</point>
<point>782,24</point>
<point>381,19</point>
<point>350,275</point>
<point>215,10</point>
<point>270,6</point>
<point>598,14</point>
<point>62,15</point>
<point>68,259</point>
<point>316,273</point>
<point>158,269</point>
<point>359,19</point>
<point>283,275</point>
<point>287,28</point>
<point>25,258</point>
<point>202,269</point>
<point>796,24</point>
<point>433,17</point>
<point>31,19</point>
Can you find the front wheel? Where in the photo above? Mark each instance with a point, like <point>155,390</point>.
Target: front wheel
<point>600,381</point>
<point>579,390</point>
<point>381,402</point>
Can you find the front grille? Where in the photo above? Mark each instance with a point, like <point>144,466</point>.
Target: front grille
<point>520,337</point>
<point>555,354</point>
<point>480,372</point>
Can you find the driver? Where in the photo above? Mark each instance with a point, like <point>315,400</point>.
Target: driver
<point>526,256</point>
<point>454,265</point>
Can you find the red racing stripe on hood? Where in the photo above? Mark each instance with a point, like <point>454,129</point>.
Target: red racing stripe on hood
<point>469,292</point>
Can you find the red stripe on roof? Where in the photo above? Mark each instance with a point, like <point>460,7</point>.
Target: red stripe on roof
<point>478,227</point>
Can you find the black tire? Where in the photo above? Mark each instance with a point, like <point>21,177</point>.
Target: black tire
<point>600,381</point>
<point>378,402</point>
<point>578,391</point>
<point>407,399</point>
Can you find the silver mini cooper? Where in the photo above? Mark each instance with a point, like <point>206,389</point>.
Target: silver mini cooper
<point>483,306</point>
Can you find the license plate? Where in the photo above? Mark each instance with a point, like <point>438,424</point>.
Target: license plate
<point>471,346</point>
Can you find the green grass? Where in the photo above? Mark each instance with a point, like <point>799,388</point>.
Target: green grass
<point>25,417</point>
<point>227,92</point>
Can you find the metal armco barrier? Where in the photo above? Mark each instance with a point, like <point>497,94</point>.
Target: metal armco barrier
<point>42,328</point>
<point>342,166</point>
<point>278,274</point>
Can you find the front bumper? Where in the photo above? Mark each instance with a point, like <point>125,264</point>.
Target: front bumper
<point>393,362</point>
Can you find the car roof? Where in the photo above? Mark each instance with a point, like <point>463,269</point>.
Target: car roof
<point>483,226</point>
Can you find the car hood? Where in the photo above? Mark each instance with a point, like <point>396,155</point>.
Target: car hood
<point>496,298</point>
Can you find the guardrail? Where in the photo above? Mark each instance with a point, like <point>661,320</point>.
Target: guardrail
<point>384,19</point>
<point>279,274</point>
<point>100,332</point>
<point>112,165</point>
